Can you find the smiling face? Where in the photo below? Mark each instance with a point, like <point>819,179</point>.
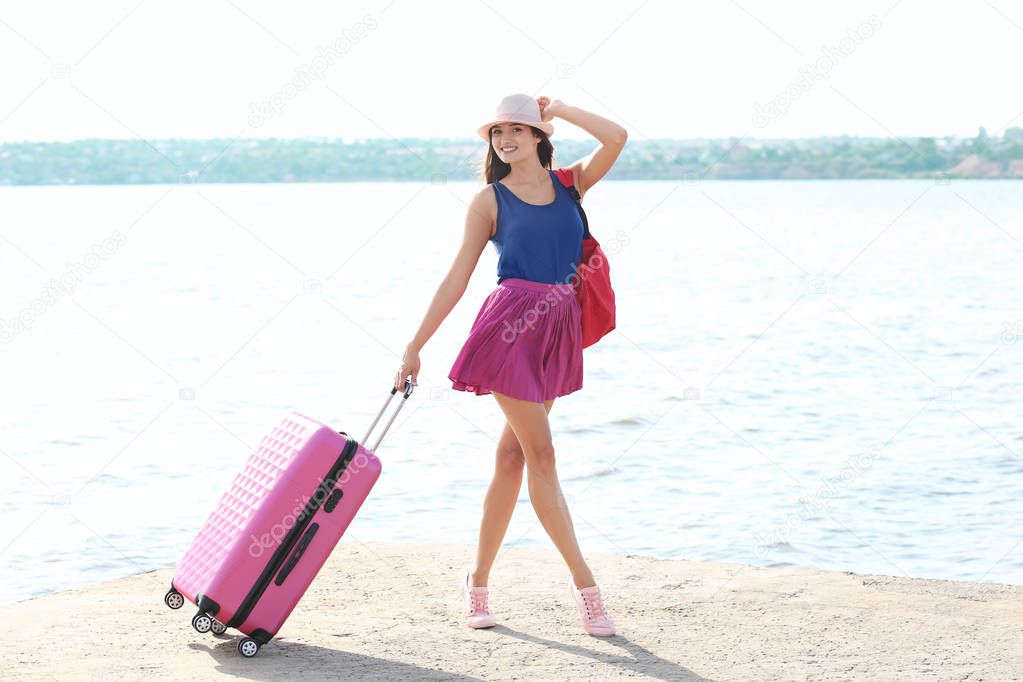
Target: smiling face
<point>511,140</point>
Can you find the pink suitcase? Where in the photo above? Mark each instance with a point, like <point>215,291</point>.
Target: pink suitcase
<point>275,527</point>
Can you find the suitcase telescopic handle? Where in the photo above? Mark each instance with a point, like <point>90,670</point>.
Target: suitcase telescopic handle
<point>407,392</point>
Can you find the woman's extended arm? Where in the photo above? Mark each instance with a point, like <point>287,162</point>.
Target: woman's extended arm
<point>477,232</point>
<point>612,139</point>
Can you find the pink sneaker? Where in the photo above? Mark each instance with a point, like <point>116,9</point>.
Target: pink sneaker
<point>478,610</point>
<point>596,620</point>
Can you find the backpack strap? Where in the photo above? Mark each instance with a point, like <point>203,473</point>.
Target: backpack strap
<point>567,179</point>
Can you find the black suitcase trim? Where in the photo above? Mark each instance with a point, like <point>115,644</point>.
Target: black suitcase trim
<point>294,533</point>
<point>207,605</point>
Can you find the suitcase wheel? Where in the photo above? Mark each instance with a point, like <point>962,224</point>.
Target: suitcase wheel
<point>202,623</point>
<point>217,627</point>
<point>173,599</point>
<point>248,647</point>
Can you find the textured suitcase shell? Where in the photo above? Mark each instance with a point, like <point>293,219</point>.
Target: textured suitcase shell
<point>234,564</point>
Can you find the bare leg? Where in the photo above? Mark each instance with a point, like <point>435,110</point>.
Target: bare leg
<point>529,422</point>
<point>499,503</point>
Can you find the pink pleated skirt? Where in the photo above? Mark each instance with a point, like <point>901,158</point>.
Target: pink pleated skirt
<point>526,342</point>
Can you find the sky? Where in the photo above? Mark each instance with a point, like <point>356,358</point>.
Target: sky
<point>399,68</point>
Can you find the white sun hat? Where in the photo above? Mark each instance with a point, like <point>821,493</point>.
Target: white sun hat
<point>517,108</point>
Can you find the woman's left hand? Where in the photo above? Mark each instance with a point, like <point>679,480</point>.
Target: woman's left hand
<point>548,107</point>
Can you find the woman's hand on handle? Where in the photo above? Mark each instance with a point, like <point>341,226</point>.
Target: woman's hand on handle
<point>409,367</point>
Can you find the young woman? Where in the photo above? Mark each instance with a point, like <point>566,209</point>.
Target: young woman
<point>525,346</point>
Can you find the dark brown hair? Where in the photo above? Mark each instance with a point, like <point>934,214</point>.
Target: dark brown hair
<point>494,168</point>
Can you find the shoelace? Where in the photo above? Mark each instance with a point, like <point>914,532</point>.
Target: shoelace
<point>478,602</point>
<point>595,605</point>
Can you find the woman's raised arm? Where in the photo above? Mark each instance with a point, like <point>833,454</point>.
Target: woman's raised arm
<point>612,137</point>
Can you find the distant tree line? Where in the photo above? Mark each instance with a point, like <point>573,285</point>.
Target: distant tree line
<point>104,161</point>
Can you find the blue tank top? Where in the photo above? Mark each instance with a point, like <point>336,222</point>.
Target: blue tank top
<point>542,243</point>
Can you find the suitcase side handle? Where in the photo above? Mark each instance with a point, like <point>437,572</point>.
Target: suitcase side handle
<point>406,393</point>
